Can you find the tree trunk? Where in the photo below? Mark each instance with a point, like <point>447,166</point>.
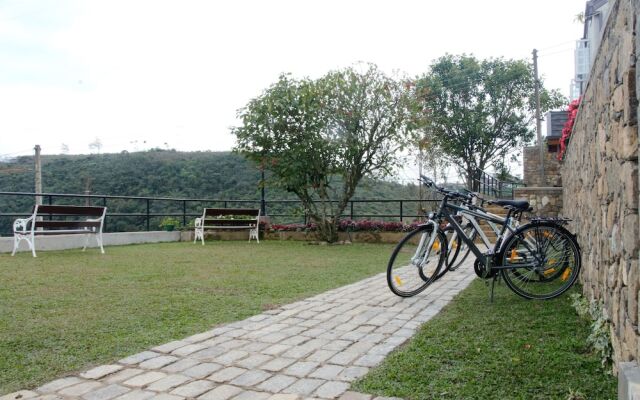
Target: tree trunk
<point>328,229</point>
<point>472,179</point>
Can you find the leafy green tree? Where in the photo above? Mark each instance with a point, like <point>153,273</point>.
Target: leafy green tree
<point>319,138</point>
<point>478,111</point>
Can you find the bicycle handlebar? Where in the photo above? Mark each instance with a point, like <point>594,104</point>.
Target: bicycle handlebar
<point>450,193</point>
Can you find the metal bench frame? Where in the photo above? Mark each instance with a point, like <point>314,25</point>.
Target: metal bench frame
<point>28,228</point>
<point>211,220</point>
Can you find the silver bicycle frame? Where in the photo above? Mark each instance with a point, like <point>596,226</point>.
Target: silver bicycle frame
<point>418,258</point>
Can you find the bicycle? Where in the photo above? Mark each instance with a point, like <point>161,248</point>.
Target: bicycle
<point>458,251</point>
<point>538,260</point>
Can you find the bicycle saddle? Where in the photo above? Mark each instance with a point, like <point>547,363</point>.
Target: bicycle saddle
<point>521,205</point>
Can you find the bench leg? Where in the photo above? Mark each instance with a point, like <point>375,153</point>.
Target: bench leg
<point>199,234</point>
<point>30,242</point>
<point>16,244</point>
<point>99,239</point>
<point>253,233</point>
<point>86,242</point>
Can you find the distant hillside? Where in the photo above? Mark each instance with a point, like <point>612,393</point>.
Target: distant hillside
<point>211,175</point>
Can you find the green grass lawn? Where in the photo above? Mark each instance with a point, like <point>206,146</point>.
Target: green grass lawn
<point>67,310</point>
<point>511,349</point>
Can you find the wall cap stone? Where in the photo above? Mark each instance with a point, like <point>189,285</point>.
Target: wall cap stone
<point>540,189</point>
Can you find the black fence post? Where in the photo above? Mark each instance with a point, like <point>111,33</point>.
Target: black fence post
<point>351,210</point>
<point>148,216</point>
<point>184,213</point>
<point>401,210</point>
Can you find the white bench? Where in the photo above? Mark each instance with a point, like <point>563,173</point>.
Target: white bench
<point>91,223</point>
<point>228,218</point>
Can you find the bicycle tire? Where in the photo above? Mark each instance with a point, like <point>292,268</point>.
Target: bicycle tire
<point>408,272</point>
<point>546,260</point>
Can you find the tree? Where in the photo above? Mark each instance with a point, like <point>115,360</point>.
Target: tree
<point>319,138</point>
<point>480,111</point>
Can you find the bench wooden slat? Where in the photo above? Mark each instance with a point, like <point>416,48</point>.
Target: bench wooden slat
<point>71,210</point>
<point>68,224</point>
<point>214,212</point>
<point>63,232</point>
<point>229,222</point>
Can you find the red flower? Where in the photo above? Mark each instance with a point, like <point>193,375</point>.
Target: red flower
<point>572,112</point>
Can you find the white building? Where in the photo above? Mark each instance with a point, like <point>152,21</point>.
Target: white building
<point>595,18</point>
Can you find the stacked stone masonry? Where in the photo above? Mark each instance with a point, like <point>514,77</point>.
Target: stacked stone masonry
<point>531,168</point>
<point>545,201</point>
<point>600,179</point>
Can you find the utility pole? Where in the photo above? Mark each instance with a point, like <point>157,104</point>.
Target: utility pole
<point>420,189</point>
<point>543,179</point>
<point>38,169</point>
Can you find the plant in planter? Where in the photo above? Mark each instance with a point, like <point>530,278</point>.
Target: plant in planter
<point>169,223</point>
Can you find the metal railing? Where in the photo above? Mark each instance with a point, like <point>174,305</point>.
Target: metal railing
<point>146,213</point>
<point>488,185</point>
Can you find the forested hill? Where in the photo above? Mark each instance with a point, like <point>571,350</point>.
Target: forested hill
<point>166,173</point>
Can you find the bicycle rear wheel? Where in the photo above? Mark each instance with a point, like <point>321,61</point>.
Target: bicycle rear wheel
<point>543,259</point>
<point>414,264</point>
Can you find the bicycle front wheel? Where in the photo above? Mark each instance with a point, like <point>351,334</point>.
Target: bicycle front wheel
<point>543,261</point>
<point>414,264</point>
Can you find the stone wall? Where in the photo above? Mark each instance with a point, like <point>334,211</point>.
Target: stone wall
<point>600,178</point>
<point>546,201</point>
<point>531,167</point>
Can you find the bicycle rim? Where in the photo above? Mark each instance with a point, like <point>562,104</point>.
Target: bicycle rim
<point>413,266</point>
<point>543,260</point>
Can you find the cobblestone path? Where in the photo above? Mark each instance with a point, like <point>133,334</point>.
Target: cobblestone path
<point>311,349</point>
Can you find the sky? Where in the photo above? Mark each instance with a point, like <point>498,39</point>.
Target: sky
<point>139,74</point>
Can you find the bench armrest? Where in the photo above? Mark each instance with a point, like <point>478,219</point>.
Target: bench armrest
<point>22,224</point>
<point>198,223</point>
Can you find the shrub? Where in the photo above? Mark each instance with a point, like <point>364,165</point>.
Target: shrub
<point>348,225</point>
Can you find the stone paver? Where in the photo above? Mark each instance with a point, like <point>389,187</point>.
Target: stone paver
<point>106,393</point>
<point>222,392</point>
<point>193,389</point>
<point>311,349</point>
<point>80,389</point>
<point>23,394</point>
<point>99,372</point>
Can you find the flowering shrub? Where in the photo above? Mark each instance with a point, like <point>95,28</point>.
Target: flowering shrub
<point>572,111</point>
<point>347,225</point>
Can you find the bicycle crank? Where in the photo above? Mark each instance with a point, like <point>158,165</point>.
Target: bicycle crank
<point>481,270</point>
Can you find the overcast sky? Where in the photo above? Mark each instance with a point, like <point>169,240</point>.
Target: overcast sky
<point>138,74</point>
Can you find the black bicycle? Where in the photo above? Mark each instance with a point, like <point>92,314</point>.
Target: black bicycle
<point>538,260</point>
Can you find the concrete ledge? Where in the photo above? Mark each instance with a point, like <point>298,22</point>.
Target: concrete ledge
<point>64,242</point>
<point>539,189</point>
<point>628,381</point>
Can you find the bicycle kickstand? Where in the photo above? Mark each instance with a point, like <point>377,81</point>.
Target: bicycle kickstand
<point>493,284</point>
